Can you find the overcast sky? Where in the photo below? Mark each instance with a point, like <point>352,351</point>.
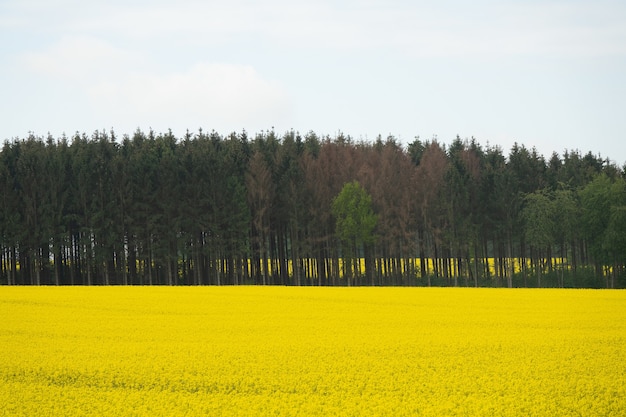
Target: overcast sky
<point>546,74</point>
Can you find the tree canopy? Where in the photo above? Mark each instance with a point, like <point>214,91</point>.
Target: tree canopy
<point>355,220</point>
<point>296,209</point>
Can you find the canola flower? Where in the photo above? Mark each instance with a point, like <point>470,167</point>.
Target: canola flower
<point>246,351</point>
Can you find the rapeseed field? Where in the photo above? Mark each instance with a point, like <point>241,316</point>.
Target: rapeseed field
<point>259,351</point>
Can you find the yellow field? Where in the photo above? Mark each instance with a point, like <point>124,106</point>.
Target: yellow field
<point>246,351</point>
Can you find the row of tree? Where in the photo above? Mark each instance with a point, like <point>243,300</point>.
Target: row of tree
<point>304,210</point>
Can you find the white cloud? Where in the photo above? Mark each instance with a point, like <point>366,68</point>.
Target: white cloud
<point>79,59</point>
<point>209,95</point>
<point>446,28</point>
<point>503,29</point>
<point>227,64</point>
<point>123,92</point>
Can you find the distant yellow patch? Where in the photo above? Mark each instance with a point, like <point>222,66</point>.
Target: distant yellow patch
<point>256,351</point>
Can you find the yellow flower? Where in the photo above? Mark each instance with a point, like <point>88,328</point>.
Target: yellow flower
<point>154,351</point>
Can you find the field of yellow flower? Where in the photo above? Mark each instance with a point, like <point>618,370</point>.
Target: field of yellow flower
<point>246,351</point>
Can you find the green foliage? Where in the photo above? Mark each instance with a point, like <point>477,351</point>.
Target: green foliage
<point>614,242</point>
<point>209,209</point>
<point>597,200</point>
<point>539,219</point>
<point>566,215</point>
<point>355,219</point>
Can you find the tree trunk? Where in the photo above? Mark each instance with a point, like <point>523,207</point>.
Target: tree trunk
<point>58,264</point>
<point>538,267</point>
<point>509,278</point>
<point>13,269</point>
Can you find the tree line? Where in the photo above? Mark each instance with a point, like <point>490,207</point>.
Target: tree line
<point>291,209</point>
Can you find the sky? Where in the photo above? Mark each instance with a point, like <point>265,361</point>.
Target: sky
<point>543,73</point>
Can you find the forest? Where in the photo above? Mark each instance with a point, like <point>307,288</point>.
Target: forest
<point>292,209</point>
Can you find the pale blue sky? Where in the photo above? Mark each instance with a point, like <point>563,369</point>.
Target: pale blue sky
<point>548,74</point>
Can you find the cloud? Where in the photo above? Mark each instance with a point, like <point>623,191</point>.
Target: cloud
<point>211,95</point>
<point>123,90</point>
<point>80,59</point>
<point>449,28</point>
<point>504,29</point>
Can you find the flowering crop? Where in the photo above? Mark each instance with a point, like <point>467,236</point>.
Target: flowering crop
<point>243,351</point>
